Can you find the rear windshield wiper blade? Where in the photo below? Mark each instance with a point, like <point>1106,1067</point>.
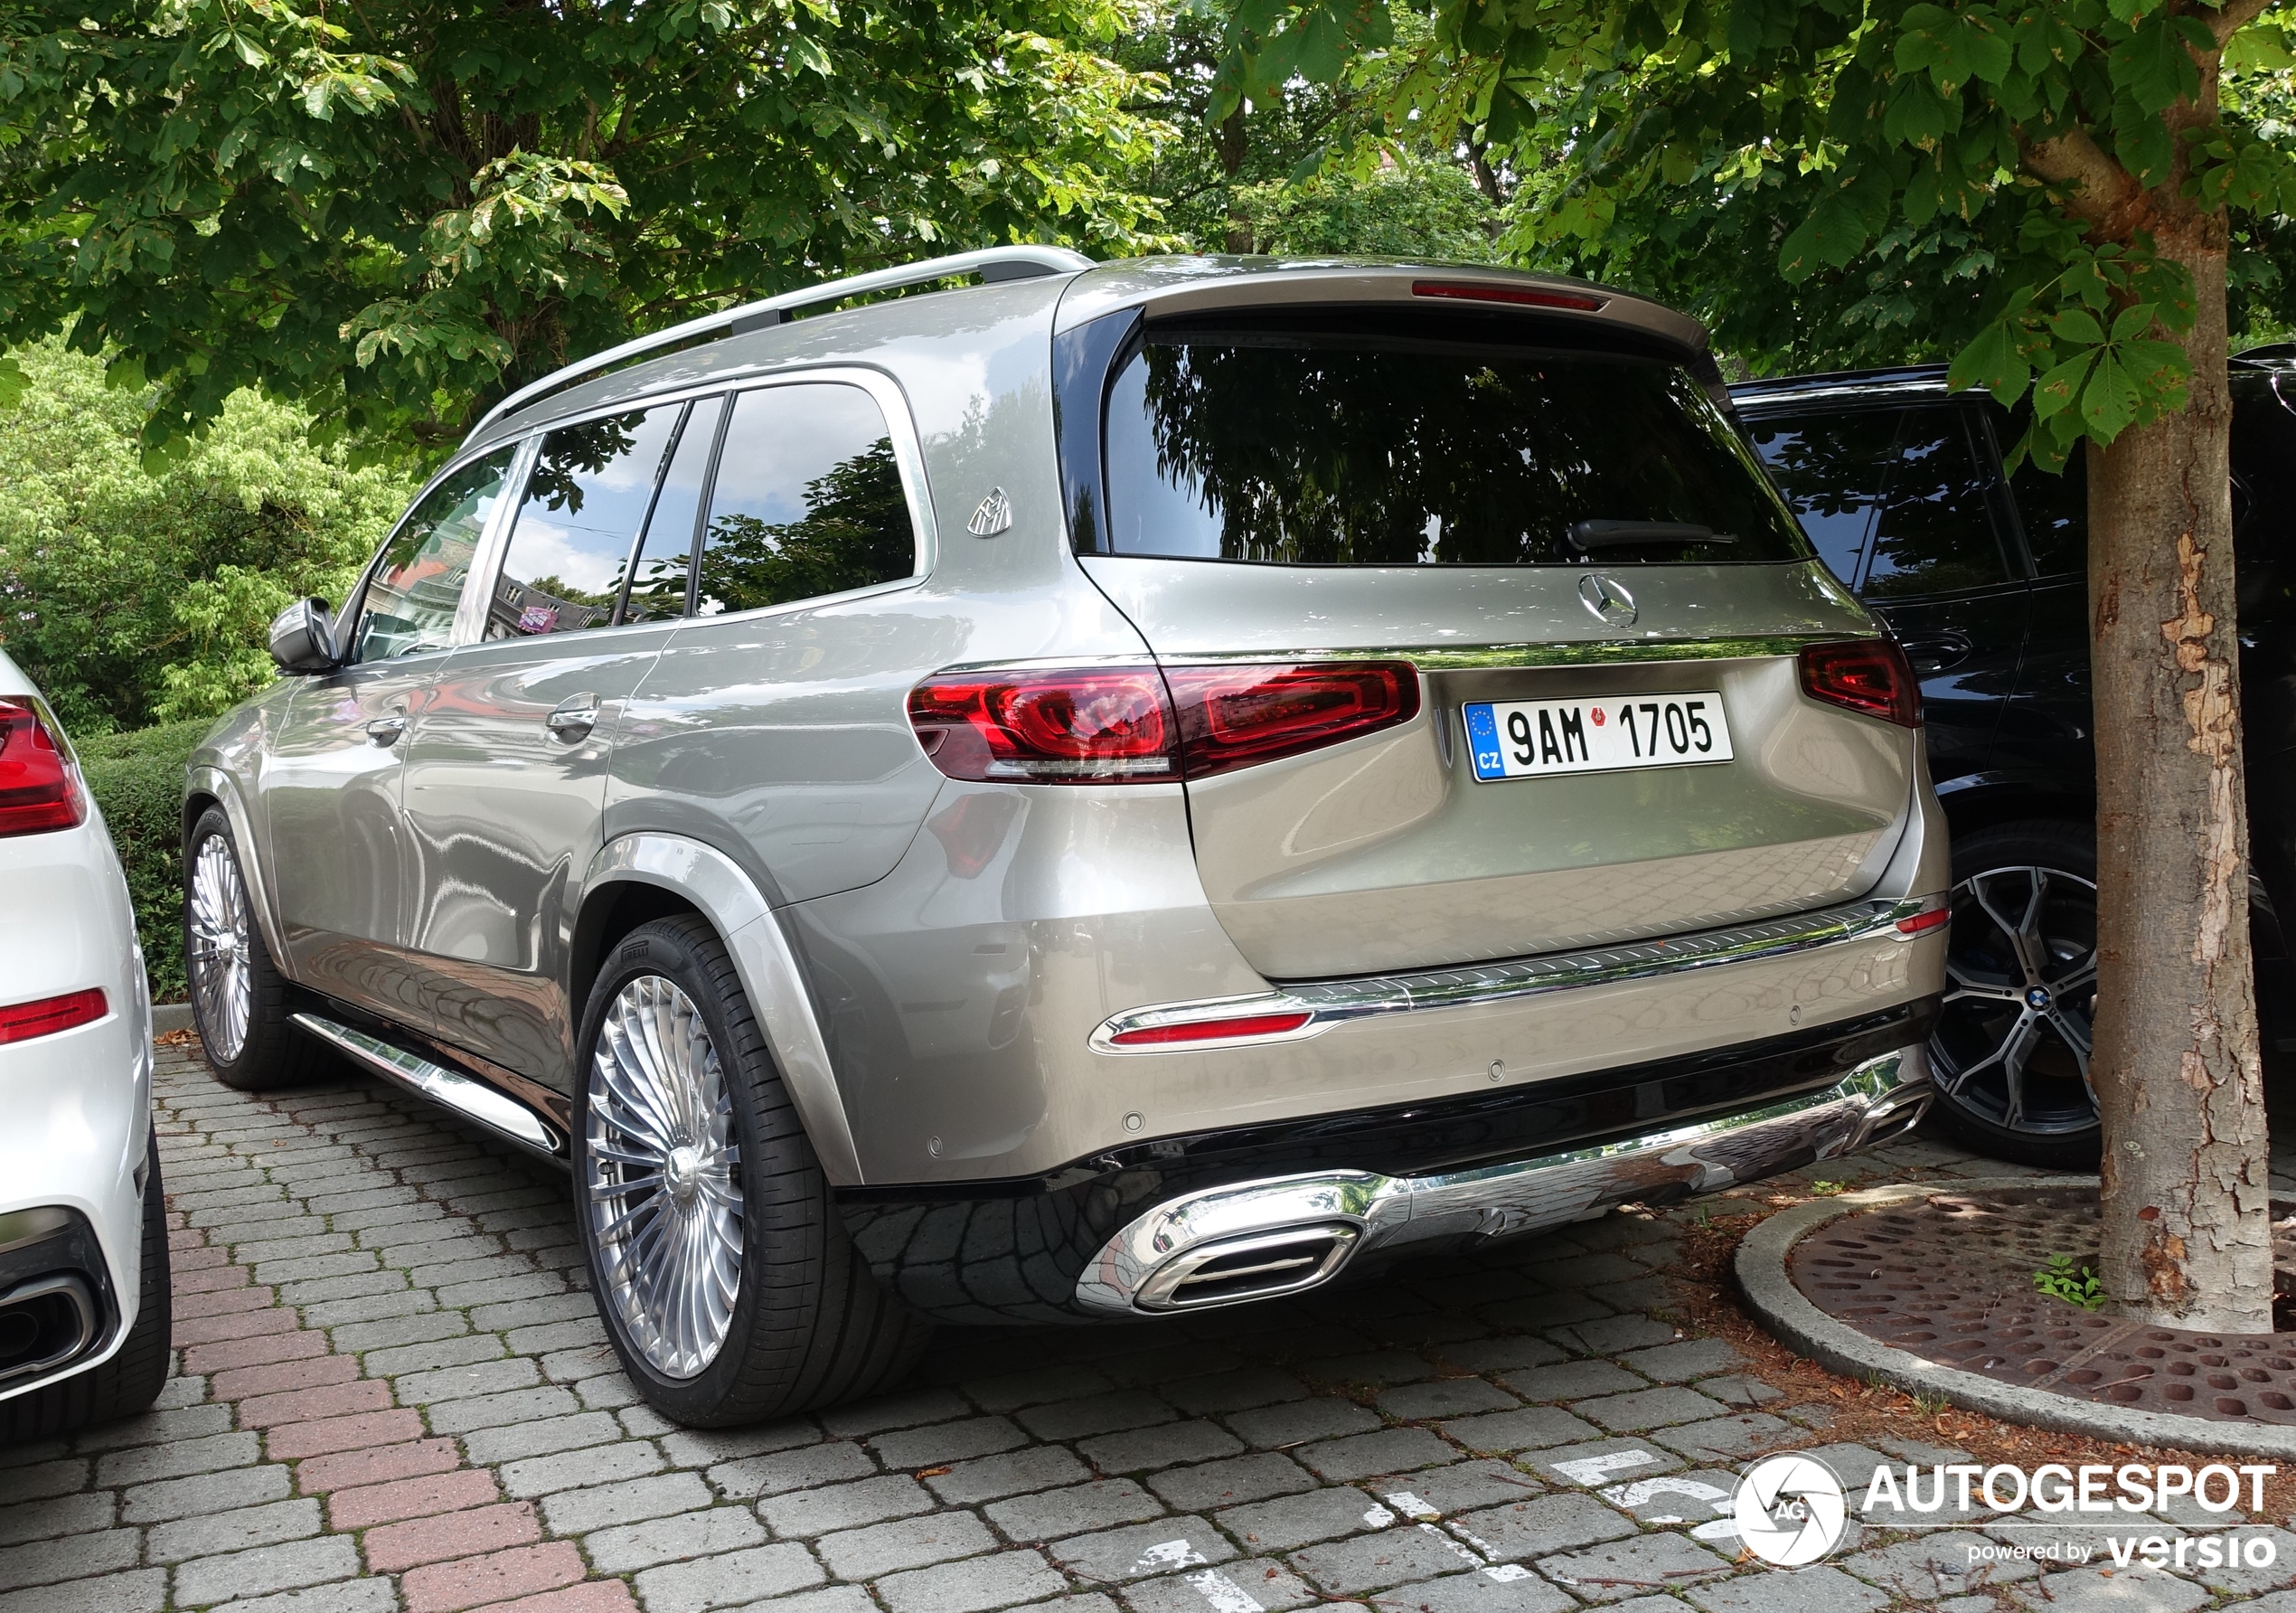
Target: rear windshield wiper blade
<point>1589,536</point>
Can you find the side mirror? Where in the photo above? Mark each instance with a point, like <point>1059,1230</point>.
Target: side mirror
<point>302,639</point>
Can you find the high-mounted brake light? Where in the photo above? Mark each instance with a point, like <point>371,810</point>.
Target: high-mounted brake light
<point>1138,724</point>
<point>39,785</point>
<point>1866,675</point>
<point>1211,1029</point>
<point>20,1021</point>
<point>1521,296</point>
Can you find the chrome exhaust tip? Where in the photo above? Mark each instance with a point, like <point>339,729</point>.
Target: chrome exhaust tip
<point>1229,1269</point>
<point>45,1324</point>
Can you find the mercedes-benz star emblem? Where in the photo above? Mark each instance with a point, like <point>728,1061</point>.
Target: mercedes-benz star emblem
<point>1607,599</point>
<point>1789,1510</point>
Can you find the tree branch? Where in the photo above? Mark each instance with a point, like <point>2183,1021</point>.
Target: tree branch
<point>2235,16</point>
<point>2096,186</point>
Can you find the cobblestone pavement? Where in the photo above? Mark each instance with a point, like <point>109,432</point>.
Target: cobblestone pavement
<point>392,1392</point>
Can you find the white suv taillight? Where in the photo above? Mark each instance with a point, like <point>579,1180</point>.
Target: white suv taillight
<point>40,787</point>
<point>1141,724</point>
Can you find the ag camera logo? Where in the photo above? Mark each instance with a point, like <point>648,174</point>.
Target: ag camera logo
<point>1791,1510</point>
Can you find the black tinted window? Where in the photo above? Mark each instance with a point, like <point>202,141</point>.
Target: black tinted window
<point>586,499</point>
<point>1936,529</point>
<point>807,502</point>
<point>1832,469</point>
<point>2055,511</point>
<point>1330,449</point>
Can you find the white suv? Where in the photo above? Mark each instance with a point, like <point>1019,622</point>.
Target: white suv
<point>83,1239</point>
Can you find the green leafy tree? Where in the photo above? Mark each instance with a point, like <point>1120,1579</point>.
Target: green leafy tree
<point>2045,189</point>
<point>397,210</point>
<point>134,597</point>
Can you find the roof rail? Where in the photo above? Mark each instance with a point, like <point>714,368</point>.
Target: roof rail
<point>991,263</point>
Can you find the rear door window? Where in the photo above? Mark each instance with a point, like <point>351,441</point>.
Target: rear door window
<point>1324,448</point>
<point>2055,512</point>
<point>586,500</point>
<point>1832,470</point>
<point>1935,533</point>
<point>807,501</point>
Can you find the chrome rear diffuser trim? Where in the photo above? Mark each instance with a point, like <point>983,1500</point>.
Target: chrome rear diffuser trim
<point>473,1099</point>
<point>1133,1272</point>
<point>1331,1002</point>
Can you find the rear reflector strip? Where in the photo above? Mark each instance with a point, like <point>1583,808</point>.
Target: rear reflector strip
<point>1922,923</point>
<point>20,1021</point>
<point>1520,295</point>
<point>1211,1029</point>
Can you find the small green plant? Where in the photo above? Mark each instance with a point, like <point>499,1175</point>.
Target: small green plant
<point>1826,1190</point>
<point>2075,1286</point>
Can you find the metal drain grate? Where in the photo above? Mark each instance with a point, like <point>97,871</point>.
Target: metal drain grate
<point>1951,1279</point>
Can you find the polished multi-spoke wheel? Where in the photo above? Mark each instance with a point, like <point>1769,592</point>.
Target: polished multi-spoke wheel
<point>2012,1049</point>
<point>215,949</point>
<point>722,1270</point>
<point>663,1177</point>
<point>239,999</point>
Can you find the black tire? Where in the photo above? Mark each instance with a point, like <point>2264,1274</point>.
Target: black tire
<point>810,1326</point>
<point>2054,1123</point>
<point>273,1052</point>
<point>130,1381</point>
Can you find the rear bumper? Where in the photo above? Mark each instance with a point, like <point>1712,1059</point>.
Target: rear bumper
<point>1078,1240</point>
<point>1257,1240</point>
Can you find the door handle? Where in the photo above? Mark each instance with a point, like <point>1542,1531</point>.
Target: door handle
<point>574,718</point>
<point>1940,652</point>
<point>385,730</point>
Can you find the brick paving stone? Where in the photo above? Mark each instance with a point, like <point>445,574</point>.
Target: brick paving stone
<point>329,1435</point>
<point>466,1533</point>
<point>1269,1586</point>
<point>1692,1358</point>
<point>1376,1561</point>
<point>344,1469</point>
<point>802,1513</point>
<point>705,1447</point>
<point>941,1443</point>
<point>598,1596</point>
<point>141,1592</point>
<point>1820,1588</point>
<point>421,1498</point>
<point>1240,1391</point>
<point>1571,1380</point>
<point>1047,1514</point>
<point>267,1568</point>
<point>1142,1549</point>
<point>1013,1473</point>
<point>1096,1414</point>
<point>1634,1567</point>
<point>204,1536</point>
<point>497,1411</point>
<point>788,1470</point>
<point>515,1440</point>
<point>1300,1520</point>
<point>1390,1450</point>
<point>724,1581</point>
<point>1482,1593</point>
<point>1745,1435</point>
<point>1541,1526</point>
<point>629,1547</point>
<point>1230,1483</point>
<point>309,1405</point>
<point>1445,1397</point>
<point>73,1557</point>
<point>1296,1422</point>
<point>211,1455</point>
<point>592,1464</point>
<point>499,1576</point>
<point>281,1377</point>
<point>971,1586</point>
<point>63,1515</point>
<point>862,1554</point>
<point>1649,1409</point>
<point>578,1511</point>
<point>376,1595</point>
<point>1141,1450</point>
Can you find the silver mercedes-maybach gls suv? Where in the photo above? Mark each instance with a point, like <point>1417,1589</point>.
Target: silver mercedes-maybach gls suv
<point>1106,791</point>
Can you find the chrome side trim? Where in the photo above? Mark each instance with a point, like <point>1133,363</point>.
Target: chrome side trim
<point>1331,1002</point>
<point>473,1099</point>
<point>1881,1096</point>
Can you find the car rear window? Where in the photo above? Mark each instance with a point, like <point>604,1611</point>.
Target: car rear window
<point>1318,447</point>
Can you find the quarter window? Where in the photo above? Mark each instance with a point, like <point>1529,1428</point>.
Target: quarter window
<point>418,580</point>
<point>807,501</point>
<point>586,500</point>
<point>1936,529</point>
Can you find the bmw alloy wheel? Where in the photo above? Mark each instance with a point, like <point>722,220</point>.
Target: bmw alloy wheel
<point>2012,1047</point>
<point>662,1178</point>
<point>223,984</point>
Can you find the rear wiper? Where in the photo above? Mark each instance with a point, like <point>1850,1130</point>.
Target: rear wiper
<point>1588,535</point>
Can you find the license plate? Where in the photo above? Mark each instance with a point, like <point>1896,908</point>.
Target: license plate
<point>1531,739</point>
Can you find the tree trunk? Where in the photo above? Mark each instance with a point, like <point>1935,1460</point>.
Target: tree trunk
<point>2187,1233</point>
<point>1230,141</point>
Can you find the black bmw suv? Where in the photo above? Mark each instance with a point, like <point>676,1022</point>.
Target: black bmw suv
<point>1984,578</point>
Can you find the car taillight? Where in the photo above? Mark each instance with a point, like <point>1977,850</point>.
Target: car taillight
<point>1233,716</point>
<point>20,1021</point>
<point>1135,724</point>
<point>39,785</point>
<point>1083,725</point>
<point>1866,675</point>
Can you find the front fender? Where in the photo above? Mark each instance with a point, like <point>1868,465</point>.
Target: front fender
<point>713,882</point>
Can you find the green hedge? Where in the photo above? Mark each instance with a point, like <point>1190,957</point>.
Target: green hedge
<point>137,779</point>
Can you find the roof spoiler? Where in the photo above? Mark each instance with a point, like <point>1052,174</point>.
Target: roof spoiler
<point>991,263</point>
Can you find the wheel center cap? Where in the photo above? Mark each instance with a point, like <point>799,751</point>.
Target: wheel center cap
<point>2037,998</point>
<point>684,1173</point>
